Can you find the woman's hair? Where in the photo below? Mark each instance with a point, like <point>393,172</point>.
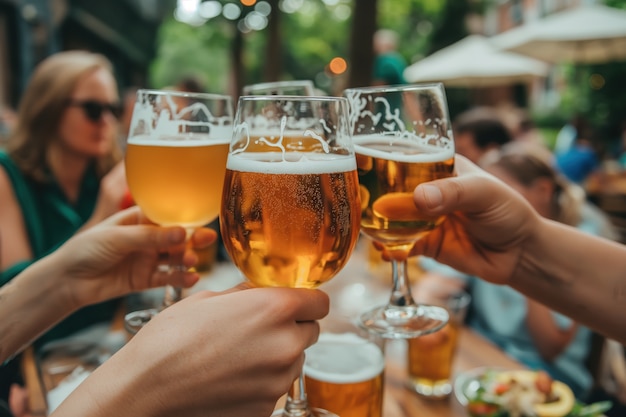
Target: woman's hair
<point>527,163</point>
<point>41,110</point>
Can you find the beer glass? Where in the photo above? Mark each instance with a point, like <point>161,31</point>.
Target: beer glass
<point>430,356</point>
<point>402,137</point>
<point>290,208</point>
<point>175,164</point>
<point>281,88</point>
<point>344,374</point>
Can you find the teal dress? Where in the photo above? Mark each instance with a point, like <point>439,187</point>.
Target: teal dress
<point>50,220</point>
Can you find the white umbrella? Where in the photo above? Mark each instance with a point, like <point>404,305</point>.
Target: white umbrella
<point>586,34</point>
<point>474,62</point>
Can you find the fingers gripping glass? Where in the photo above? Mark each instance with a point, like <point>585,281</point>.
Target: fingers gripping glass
<point>93,109</point>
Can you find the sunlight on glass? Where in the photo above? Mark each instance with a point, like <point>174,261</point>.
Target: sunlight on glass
<point>210,9</point>
<point>231,11</point>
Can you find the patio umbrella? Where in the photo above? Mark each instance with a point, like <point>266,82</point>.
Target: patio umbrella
<point>586,34</point>
<point>474,62</point>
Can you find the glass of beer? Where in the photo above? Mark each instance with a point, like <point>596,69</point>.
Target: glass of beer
<point>430,357</point>
<point>402,137</point>
<point>344,374</point>
<point>175,165</point>
<point>290,207</point>
<point>281,88</point>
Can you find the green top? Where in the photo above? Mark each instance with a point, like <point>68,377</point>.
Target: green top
<point>50,220</point>
<point>389,68</point>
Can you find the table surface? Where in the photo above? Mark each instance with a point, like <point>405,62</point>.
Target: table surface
<point>362,285</point>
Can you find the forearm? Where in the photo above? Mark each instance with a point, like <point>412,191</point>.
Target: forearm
<point>549,339</point>
<point>579,275</point>
<point>29,305</point>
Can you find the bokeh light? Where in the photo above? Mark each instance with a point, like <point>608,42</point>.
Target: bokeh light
<point>338,65</point>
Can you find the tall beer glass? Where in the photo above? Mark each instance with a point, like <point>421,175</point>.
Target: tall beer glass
<point>291,207</point>
<point>175,164</point>
<point>281,88</point>
<point>402,137</point>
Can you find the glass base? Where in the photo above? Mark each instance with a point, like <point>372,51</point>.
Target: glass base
<point>408,322</point>
<point>430,389</point>
<point>133,322</point>
<point>313,412</point>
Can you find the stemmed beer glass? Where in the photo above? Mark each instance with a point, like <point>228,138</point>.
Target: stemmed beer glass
<point>175,164</point>
<point>402,137</point>
<point>291,206</point>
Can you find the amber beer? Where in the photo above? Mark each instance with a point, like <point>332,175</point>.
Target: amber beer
<point>177,182</point>
<point>388,176</point>
<point>344,375</point>
<point>290,223</point>
<point>430,361</point>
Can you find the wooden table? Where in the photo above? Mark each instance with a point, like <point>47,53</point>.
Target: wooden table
<point>362,285</point>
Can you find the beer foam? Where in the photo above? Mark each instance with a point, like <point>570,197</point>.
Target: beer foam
<point>184,139</point>
<point>343,358</point>
<point>421,150</point>
<point>291,163</point>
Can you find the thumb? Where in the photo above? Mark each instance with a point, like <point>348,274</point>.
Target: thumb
<point>472,193</point>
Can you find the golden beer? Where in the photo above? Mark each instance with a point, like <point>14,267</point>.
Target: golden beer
<point>290,224</point>
<point>388,176</point>
<point>344,375</point>
<point>430,361</point>
<point>177,182</point>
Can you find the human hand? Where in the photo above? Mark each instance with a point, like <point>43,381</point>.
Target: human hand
<point>121,254</point>
<point>113,189</point>
<point>228,355</point>
<point>486,227</point>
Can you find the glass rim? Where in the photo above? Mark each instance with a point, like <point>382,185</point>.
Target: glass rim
<point>396,88</point>
<point>287,97</point>
<point>284,83</point>
<point>190,94</point>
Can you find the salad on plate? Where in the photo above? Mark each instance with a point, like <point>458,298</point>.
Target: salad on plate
<point>494,392</point>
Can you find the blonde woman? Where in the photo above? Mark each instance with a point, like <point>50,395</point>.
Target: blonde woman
<point>61,170</point>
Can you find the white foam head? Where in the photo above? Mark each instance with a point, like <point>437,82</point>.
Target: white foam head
<point>421,151</point>
<point>180,140</point>
<point>291,163</point>
<point>343,358</point>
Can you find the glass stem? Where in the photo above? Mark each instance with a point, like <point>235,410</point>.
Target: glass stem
<point>401,293</point>
<point>175,294</point>
<point>297,404</point>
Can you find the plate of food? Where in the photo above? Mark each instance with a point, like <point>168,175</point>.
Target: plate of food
<point>497,392</point>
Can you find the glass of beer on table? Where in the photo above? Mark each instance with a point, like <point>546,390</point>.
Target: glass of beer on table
<point>402,137</point>
<point>290,207</point>
<point>344,373</point>
<point>175,165</point>
<point>430,357</point>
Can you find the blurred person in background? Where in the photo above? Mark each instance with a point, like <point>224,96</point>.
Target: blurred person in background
<point>61,171</point>
<point>526,329</point>
<point>8,117</point>
<point>389,65</point>
<point>479,132</point>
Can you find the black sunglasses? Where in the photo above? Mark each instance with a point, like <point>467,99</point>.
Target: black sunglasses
<point>93,109</point>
